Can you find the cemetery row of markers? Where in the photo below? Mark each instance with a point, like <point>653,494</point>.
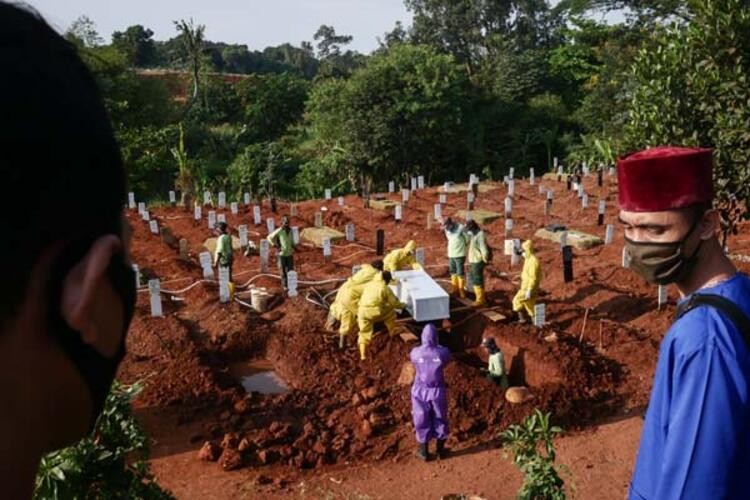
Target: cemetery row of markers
<point>205,257</point>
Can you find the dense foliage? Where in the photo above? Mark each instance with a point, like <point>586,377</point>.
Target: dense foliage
<point>472,86</point>
<point>108,464</point>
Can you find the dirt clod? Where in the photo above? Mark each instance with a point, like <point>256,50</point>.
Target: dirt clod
<point>209,452</point>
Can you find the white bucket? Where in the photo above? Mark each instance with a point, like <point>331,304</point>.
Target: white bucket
<point>259,299</point>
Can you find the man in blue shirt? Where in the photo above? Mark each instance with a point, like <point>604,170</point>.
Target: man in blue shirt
<point>696,435</point>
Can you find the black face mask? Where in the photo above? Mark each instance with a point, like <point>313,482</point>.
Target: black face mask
<point>97,371</point>
<point>662,263</point>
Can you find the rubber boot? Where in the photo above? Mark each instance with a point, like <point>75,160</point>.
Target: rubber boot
<point>231,291</point>
<point>362,352</point>
<point>442,452</point>
<point>330,323</point>
<point>461,287</point>
<point>454,285</point>
<point>480,301</point>
<point>422,452</point>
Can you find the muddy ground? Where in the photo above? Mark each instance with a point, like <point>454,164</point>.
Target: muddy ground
<point>342,412</point>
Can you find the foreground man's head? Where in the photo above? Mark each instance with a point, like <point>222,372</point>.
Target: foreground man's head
<point>67,288</point>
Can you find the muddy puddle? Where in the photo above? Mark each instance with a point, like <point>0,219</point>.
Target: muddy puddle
<point>259,376</point>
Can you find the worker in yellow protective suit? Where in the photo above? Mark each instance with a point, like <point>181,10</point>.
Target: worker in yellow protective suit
<point>402,258</point>
<point>457,243</point>
<point>479,257</point>
<point>345,307</point>
<point>531,276</point>
<point>378,303</point>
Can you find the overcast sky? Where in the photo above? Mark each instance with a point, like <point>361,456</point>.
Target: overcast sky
<point>257,23</point>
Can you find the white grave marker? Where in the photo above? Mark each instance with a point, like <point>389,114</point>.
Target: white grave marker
<point>397,212</point>
<point>206,197</point>
<point>662,295</point>
<point>197,212</point>
<point>508,247</point>
<point>550,195</point>
<point>350,231</point>
<point>420,182</point>
<point>508,226</point>
<point>146,216</point>
<point>246,198</point>
<point>419,256</point>
<point>609,235</point>
<point>264,251</point>
<point>211,219</point>
<point>438,211</point>
<point>293,209</point>
<point>223,285</point>
<point>141,208</point>
<point>270,224</point>
<point>137,272</point>
<point>540,315</point>
<point>222,199</point>
<point>256,215</point>
<point>580,191</point>
<point>154,226</point>
<point>508,206</point>
<point>326,247</point>
<point>206,265</point>
<point>512,173</point>
<point>234,208</point>
<point>291,283</point>
<point>413,183</point>
<point>585,201</point>
<point>602,207</point>
<point>511,188</point>
<point>154,291</point>
<point>341,201</point>
<point>404,195</point>
<point>612,171</point>
<point>131,201</point>
<point>328,194</point>
<point>172,197</point>
<point>318,219</point>
<point>295,235</point>
<point>554,161</point>
<point>625,257</point>
<point>391,187</point>
<point>532,177</point>
<point>243,236</point>
<point>446,186</point>
<point>541,189</point>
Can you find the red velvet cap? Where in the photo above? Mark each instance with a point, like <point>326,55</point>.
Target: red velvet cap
<point>665,178</point>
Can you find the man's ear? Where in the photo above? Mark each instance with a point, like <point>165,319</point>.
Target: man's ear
<point>82,283</point>
<point>710,224</point>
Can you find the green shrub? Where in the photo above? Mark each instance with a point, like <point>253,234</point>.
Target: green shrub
<point>108,464</point>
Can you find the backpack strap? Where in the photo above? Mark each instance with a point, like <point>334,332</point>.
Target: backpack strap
<point>724,305</point>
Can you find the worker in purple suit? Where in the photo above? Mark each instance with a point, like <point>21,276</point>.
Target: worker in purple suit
<point>429,401</point>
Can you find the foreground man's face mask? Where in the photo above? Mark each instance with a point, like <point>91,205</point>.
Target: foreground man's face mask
<point>97,371</point>
<point>662,263</point>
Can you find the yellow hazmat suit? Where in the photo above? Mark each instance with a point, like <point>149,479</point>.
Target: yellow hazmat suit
<point>378,303</point>
<point>531,276</point>
<point>344,307</point>
<point>401,258</point>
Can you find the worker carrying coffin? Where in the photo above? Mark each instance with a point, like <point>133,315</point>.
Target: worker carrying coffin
<point>402,258</point>
<point>345,307</point>
<point>377,304</point>
<point>531,277</point>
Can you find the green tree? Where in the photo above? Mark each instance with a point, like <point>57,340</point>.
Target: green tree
<point>692,88</point>
<point>137,43</point>
<point>270,104</point>
<point>83,33</point>
<point>192,37</point>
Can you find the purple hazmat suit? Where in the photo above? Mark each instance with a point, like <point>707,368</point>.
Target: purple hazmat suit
<point>429,401</point>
